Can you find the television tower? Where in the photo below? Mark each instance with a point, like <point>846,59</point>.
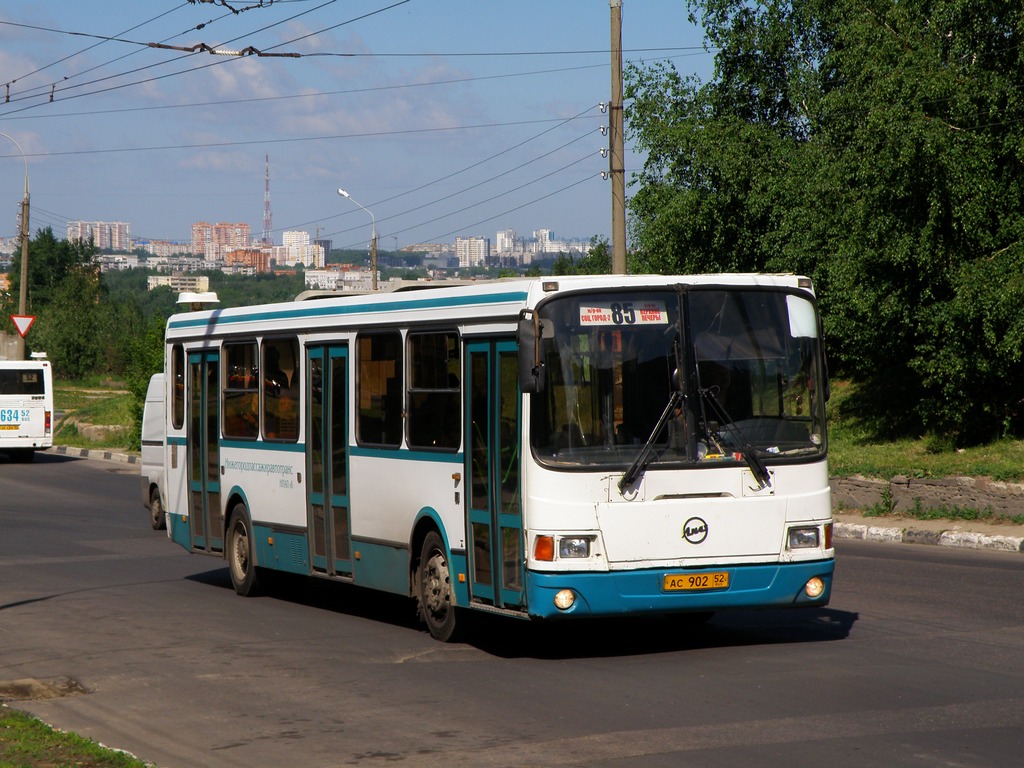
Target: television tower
<point>267,216</point>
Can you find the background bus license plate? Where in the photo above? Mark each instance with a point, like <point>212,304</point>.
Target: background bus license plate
<point>686,581</point>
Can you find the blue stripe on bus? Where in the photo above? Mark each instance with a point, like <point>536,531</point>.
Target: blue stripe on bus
<point>403,454</point>
<point>381,566</point>
<point>281,550</point>
<point>312,311</point>
<point>259,445</point>
<point>617,593</point>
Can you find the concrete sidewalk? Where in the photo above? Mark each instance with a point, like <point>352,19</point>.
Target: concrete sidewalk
<point>968,534</point>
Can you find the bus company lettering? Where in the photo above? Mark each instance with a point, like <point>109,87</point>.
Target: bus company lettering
<point>259,466</point>
<point>695,530</point>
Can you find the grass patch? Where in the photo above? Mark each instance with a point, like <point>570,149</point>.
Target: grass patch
<point>853,450</point>
<point>103,403</point>
<point>26,742</point>
<point>954,512</point>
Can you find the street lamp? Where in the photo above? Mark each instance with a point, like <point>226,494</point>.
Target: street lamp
<point>23,285</point>
<point>373,237</point>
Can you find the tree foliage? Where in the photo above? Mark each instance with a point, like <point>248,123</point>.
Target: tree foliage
<point>877,146</point>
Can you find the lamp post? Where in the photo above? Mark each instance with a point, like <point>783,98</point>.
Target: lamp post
<point>373,238</point>
<point>23,285</point>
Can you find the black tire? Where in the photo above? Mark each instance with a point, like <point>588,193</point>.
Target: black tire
<point>23,455</point>
<point>434,593</point>
<point>156,511</point>
<point>240,553</point>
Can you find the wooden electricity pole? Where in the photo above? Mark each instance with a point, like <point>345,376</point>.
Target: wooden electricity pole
<point>617,164</point>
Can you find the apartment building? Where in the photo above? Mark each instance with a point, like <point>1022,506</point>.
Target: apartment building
<point>105,235</point>
<point>472,251</point>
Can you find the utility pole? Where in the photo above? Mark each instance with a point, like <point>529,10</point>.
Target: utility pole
<point>24,231</point>
<point>617,165</point>
<point>373,260</point>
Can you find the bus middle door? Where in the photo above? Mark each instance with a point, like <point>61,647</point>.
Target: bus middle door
<point>497,563</point>
<point>204,452</point>
<point>328,507</point>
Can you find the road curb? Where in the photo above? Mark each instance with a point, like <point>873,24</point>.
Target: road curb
<point>964,539</point>
<point>92,453</point>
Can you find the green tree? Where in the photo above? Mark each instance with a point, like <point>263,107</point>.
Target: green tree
<point>50,261</point>
<point>875,145</point>
<point>598,258</point>
<point>145,356</point>
<point>71,329</point>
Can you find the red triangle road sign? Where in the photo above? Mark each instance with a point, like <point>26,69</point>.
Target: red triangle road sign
<point>23,323</point>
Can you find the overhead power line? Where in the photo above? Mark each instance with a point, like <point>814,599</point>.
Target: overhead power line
<point>367,134</point>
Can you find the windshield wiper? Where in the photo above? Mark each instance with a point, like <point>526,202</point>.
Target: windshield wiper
<point>757,467</point>
<point>646,455</point>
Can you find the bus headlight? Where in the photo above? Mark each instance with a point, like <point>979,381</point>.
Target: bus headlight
<point>803,538</point>
<point>574,547</point>
<point>577,546</point>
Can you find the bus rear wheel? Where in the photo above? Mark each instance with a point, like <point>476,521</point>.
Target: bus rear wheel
<point>434,590</point>
<point>239,550</point>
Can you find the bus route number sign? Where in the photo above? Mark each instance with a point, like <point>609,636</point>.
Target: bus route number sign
<point>675,582</point>
<point>624,313</point>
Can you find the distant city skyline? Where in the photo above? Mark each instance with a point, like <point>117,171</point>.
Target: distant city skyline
<point>116,235</point>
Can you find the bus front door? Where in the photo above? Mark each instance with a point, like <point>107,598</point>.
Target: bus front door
<point>204,452</point>
<point>328,507</point>
<point>493,458</point>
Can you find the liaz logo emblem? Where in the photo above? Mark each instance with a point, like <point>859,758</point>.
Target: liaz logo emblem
<point>695,530</point>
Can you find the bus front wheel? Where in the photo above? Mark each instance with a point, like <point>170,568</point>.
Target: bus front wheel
<point>434,590</point>
<point>156,511</point>
<point>240,547</point>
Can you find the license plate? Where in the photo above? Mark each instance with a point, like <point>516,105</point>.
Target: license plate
<point>675,582</point>
<point>9,426</point>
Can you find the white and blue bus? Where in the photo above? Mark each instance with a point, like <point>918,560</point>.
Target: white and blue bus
<point>26,407</point>
<point>539,448</point>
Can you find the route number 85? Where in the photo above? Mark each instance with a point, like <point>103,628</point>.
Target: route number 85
<point>623,313</point>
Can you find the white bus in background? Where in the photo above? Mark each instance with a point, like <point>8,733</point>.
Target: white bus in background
<point>26,407</point>
<point>536,448</point>
<point>154,420</point>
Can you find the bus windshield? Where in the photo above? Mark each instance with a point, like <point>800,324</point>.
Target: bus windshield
<point>689,377</point>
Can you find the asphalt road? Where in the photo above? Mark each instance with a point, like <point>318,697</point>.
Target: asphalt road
<point>144,647</point>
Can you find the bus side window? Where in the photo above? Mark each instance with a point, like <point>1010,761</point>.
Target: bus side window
<point>379,389</point>
<point>241,390</point>
<point>178,386</point>
<point>434,419</point>
<point>280,389</point>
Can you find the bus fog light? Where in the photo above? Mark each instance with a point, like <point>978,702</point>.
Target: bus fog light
<point>574,546</point>
<point>814,587</point>
<point>564,599</point>
<point>802,538</point>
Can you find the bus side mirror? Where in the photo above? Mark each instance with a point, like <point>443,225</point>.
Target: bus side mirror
<point>531,367</point>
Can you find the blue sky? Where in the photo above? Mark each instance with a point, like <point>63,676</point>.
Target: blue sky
<point>443,117</point>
